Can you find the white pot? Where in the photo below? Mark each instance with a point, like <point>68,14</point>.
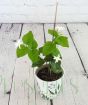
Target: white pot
<point>48,89</point>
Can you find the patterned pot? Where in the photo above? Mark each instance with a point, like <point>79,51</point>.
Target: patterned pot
<point>48,89</point>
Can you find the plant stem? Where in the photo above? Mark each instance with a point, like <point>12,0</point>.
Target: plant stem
<point>49,68</point>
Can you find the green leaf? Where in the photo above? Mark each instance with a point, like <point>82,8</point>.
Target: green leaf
<point>29,40</point>
<point>53,32</point>
<point>39,63</point>
<point>23,50</point>
<point>40,49</point>
<point>48,48</point>
<point>62,40</point>
<point>33,44</point>
<point>56,67</point>
<point>48,58</point>
<point>56,52</point>
<point>33,55</point>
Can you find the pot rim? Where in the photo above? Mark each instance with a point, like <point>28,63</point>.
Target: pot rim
<point>45,65</point>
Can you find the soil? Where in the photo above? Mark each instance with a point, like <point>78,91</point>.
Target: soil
<point>46,75</point>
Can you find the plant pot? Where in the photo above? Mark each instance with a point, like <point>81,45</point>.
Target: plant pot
<point>48,89</point>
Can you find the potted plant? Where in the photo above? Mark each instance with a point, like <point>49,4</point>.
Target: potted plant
<point>47,59</point>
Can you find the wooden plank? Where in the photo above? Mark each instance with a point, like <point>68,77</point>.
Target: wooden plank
<point>79,35</point>
<point>27,2</point>
<point>69,11</point>
<point>74,83</point>
<point>43,2</point>
<point>23,86</point>
<point>19,96</point>
<point>7,58</point>
<point>25,18</point>
<point>65,14</point>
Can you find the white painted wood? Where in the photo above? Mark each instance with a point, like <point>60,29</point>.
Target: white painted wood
<point>24,71</point>
<point>69,11</point>
<point>79,33</point>
<point>42,2</point>
<point>23,84</point>
<point>21,87</point>
<point>7,58</point>
<point>27,2</point>
<point>74,83</point>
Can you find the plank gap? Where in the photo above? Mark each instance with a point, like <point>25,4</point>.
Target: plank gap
<point>0,26</point>
<point>9,92</point>
<point>21,30</point>
<point>11,26</point>
<point>44,33</point>
<point>11,84</point>
<point>51,102</point>
<point>76,50</point>
<point>20,33</point>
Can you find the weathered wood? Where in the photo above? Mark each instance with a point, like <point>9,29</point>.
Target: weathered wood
<point>79,35</point>
<point>43,2</point>
<point>74,83</point>
<point>23,85</point>
<point>24,88</point>
<point>69,11</point>
<point>28,3</point>
<point>24,71</point>
<point>7,58</point>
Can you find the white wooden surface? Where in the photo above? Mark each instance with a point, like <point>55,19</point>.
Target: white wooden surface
<point>79,33</point>
<point>8,32</point>
<point>42,11</point>
<point>23,86</point>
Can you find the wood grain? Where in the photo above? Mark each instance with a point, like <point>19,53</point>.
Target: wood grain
<point>79,34</point>
<point>22,84</point>
<point>26,11</point>
<point>7,59</point>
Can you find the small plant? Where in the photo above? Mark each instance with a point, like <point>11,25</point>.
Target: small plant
<point>48,53</point>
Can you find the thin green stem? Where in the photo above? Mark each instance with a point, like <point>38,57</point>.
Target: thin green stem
<point>50,68</point>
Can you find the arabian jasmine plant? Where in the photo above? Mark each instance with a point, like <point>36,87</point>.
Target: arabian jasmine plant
<point>46,58</point>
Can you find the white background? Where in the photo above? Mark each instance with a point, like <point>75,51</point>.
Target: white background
<point>42,11</point>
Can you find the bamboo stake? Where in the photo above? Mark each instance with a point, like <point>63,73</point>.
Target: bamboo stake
<point>55,14</point>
